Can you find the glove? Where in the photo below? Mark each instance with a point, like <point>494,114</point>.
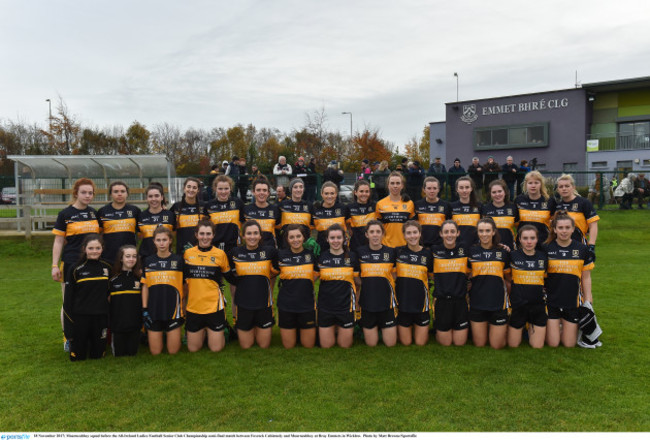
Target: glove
<point>146,319</point>
<point>313,246</point>
<point>592,251</point>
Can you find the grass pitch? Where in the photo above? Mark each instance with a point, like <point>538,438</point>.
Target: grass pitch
<point>428,388</point>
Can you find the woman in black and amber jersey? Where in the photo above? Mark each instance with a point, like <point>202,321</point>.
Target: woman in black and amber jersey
<point>568,281</point>
<point>205,265</point>
<point>362,210</point>
<point>126,302</point>
<point>450,287</point>
<point>253,303</point>
<point>338,269</point>
<point>393,211</point>
<point>327,213</point>
<point>162,294</point>
<point>152,217</point>
<point>534,205</point>
<point>527,298</point>
<point>377,296</point>
<point>414,269</point>
<point>188,212</point>
<point>86,302</point>
<point>296,301</point>
<point>580,210</point>
<point>504,213</point>
<point>293,210</point>
<point>488,298</point>
<point>119,221</point>
<point>431,211</point>
<point>226,213</point>
<point>260,210</point>
<point>466,211</point>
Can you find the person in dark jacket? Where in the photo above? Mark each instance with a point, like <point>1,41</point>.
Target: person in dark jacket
<point>333,174</point>
<point>510,175</point>
<point>475,171</point>
<point>414,180</point>
<point>311,181</point>
<point>438,170</point>
<point>490,171</point>
<point>455,173</point>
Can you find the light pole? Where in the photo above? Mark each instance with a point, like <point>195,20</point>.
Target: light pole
<point>456,75</point>
<point>349,113</point>
<point>49,101</point>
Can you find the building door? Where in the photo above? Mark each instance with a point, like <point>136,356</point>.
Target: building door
<point>622,168</point>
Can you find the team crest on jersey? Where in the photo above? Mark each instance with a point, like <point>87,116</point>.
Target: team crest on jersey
<point>136,284</point>
<point>544,205</point>
<point>337,212</point>
<point>129,213</point>
<point>498,255</point>
<point>441,209</point>
<point>232,205</point>
<point>461,252</point>
<point>575,253</point>
<point>509,211</point>
<point>263,254</point>
<point>165,219</point>
<point>574,207</point>
<point>174,265</point>
<point>424,261</point>
<point>270,214</point>
<point>92,215</point>
<point>347,261</point>
<point>386,256</point>
<point>105,272</point>
<point>541,264</point>
<point>308,258</point>
<point>213,260</point>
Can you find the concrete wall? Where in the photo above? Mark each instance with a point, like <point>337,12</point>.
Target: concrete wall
<point>437,141</point>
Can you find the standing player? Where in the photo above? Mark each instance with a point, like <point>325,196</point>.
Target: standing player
<point>205,265</point>
<point>431,211</point>
<point>253,304</point>
<point>162,294</point>
<point>362,210</point>
<point>528,266</point>
<point>466,211</point>
<point>119,221</point>
<point>188,212</point>
<point>337,295</point>
<point>580,210</point>
<point>226,213</point>
<point>534,205</point>
<point>504,213</point>
<point>450,287</point>
<point>327,213</point>
<point>294,210</point>
<point>377,296</point>
<point>568,282</point>
<point>395,210</point>
<point>152,217</point>
<point>488,298</point>
<point>72,226</point>
<point>296,301</point>
<point>260,210</point>
<point>414,269</point>
<point>126,302</point>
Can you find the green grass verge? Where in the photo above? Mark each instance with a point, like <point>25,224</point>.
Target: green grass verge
<point>369,389</point>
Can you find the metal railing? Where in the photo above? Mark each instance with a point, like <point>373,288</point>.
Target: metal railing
<point>617,141</point>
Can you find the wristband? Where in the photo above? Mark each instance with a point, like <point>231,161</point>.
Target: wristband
<point>55,266</point>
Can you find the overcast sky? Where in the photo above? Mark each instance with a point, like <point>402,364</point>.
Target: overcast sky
<point>208,64</point>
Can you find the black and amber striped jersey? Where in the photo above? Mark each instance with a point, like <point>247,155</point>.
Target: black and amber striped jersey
<point>582,212</point>
<point>296,293</point>
<point>488,266</point>
<point>393,215</point>
<point>536,213</point>
<point>203,273</point>
<point>412,284</point>
<point>466,218</point>
<point>74,224</point>
<point>506,218</point>
<point>294,213</point>
<point>227,217</point>
<point>87,289</point>
<point>187,217</point>
<point>254,270</point>
<point>323,218</point>
<point>119,227</point>
<point>147,223</point>
<point>126,303</point>
<point>528,274</point>
<point>449,271</point>
<point>267,218</point>
<point>430,216</point>
<point>565,267</point>
<point>377,282</point>
<point>337,291</point>
<point>360,215</point>
<point>164,280</point>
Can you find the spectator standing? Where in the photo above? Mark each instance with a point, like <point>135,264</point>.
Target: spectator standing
<point>379,179</point>
<point>222,169</point>
<point>311,182</point>
<point>490,171</point>
<point>366,171</point>
<point>243,182</point>
<point>455,172</point>
<point>641,186</point>
<point>282,172</point>
<point>510,175</point>
<point>475,171</point>
<point>595,189</point>
<point>414,180</point>
<point>333,174</point>
<point>439,171</point>
<point>523,170</point>
<point>299,168</point>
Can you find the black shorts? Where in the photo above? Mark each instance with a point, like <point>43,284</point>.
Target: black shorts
<point>532,313</point>
<point>406,319</point>
<point>343,320</point>
<point>498,317</point>
<point>195,322</point>
<point>261,318</point>
<point>450,314</point>
<point>384,319</point>
<point>569,314</point>
<point>166,325</point>
<point>293,320</point>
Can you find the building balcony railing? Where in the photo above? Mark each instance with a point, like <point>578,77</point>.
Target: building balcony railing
<point>618,141</point>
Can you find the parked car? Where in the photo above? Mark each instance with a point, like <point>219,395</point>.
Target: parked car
<point>9,195</point>
<point>346,193</point>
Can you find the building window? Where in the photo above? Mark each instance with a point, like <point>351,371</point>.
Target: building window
<point>570,167</point>
<point>634,135</point>
<point>602,164</point>
<point>646,162</point>
<point>513,136</point>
